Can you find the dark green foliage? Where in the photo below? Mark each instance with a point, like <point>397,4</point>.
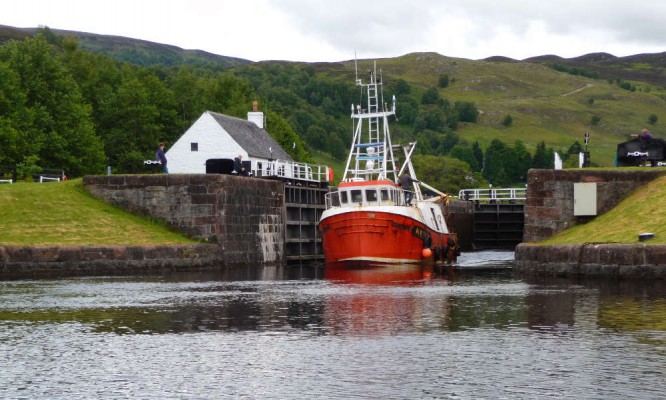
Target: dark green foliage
<point>444,81</point>
<point>466,111</point>
<point>287,138</point>
<point>55,122</point>
<point>575,71</point>
<point>505,165</point>
<point>625,85</point>
<point>446,174</point>
<point>466,154</point>
<point>575,148</point>
<point>399,88</point>
<point>594,120</point>
<point>652,119</point>
<point>543,158</point>
<point>507,120</point>
<point>431,96</point>
<point>478,155</point>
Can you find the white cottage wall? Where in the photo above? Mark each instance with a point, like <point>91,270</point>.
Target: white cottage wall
<point>212,142</point>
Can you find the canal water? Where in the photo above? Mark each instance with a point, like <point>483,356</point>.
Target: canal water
<point>337,333</point>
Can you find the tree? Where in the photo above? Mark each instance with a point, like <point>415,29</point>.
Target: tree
<point>283,133</point>
<point>543,158</point>
<point>15,118</point>
<point>446,174</point>
<point>431,96</point>
<point>652,119</point>
<point>60,133</point>
<point>478,155</point>
<point>444,81</point>
<point>466,110</point>
<point>466,154</point>
<point>575,148</point>
<point>401,87</point>
<point>523,161</point>
<point>507,120</point>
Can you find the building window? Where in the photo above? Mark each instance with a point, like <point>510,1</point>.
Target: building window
<point>194,146</point>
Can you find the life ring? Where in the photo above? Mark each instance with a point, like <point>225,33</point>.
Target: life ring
<point>330,174</point>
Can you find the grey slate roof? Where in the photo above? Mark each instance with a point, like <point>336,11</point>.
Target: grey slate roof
<point>256,141</point>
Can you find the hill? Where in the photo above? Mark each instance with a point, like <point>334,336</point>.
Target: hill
<point>135,51</point>
<point>544,103</point>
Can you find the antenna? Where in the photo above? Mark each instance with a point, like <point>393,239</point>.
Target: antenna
<point>358,81</point>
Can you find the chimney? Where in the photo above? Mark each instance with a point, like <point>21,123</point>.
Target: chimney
<point>255,115</point>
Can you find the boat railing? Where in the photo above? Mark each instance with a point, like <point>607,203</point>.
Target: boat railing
<point>491,194</point>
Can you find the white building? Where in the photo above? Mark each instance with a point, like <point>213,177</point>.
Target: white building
<point>221,137</point>
<point>214,140</point>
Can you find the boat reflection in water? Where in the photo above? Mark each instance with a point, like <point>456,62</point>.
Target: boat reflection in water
<point>373,273</point>
<point>382,299</point>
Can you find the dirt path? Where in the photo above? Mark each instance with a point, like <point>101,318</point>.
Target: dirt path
<point>589,85</point>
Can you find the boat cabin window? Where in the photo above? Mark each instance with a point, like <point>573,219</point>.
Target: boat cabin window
<point>356,196</point>
<point>343,197</point>
<point>384,195</point>
<point>371,195</point>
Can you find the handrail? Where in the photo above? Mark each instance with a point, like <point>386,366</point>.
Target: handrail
<point>492,194</point>
<point>293,170</point>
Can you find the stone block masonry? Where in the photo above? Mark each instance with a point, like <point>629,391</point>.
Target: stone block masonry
<point>592,260</point>
<point>243,216</point>
<point>46,261</point>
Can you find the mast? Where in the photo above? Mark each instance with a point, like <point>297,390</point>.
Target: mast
<point>371,152</point>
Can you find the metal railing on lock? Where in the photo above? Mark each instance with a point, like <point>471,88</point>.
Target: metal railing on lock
<point>491,194</point>
<point>294,170</point>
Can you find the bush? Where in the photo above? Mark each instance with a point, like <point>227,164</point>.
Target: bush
<point>507,121</point>
<point>444,80</point>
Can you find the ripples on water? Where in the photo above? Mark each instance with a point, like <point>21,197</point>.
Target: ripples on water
<point>304,332</point>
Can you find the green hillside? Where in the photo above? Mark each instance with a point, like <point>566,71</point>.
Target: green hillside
<point>544,104</point>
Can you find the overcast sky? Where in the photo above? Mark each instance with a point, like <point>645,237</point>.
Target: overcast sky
<point>335,30</point>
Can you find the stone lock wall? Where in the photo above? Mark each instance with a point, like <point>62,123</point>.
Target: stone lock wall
<point>243,216</point>
<point>549,208</point>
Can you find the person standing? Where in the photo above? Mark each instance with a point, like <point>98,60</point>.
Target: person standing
<point>406,183</point>
<point>238,166</point>
<point>161,157</point>
<point>645,134</point>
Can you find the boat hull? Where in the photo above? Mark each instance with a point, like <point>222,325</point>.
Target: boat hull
<point>370,235</point>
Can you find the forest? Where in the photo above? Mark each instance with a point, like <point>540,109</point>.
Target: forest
<point>67,108</point>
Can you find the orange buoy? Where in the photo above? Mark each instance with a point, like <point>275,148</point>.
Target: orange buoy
<point>426,253</point>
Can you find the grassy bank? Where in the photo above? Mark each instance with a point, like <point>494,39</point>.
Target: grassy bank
<point>64,213</point>
<point>640,212</point>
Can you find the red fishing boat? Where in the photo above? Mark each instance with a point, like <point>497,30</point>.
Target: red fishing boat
<point>379,212</point>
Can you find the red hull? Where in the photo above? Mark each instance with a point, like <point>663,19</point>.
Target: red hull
<point>381,237</point>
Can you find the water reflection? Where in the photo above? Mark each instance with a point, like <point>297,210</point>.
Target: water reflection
<point>474,331</point>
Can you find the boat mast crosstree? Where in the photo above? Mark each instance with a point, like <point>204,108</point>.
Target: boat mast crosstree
<point>368,217</point>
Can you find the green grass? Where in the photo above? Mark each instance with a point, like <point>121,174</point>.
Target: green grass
<point>640,212</point>
<point>64,213</point>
